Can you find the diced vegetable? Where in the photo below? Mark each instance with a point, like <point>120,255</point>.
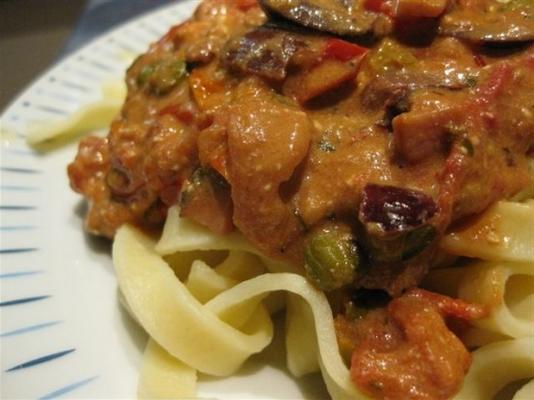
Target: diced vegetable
<point>420,8</point>
<point>207,87</point>
<point>417,135</point>
<point>162,77</point>
<point>343,50</point>
<point>146,72</point>
<point>331,258</point>
<point>328,75</point>
<point>166,76</point>
<point>395,221</point>
<point>390,56</point>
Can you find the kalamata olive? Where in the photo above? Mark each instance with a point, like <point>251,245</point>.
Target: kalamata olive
<point>121,182</point>
<point>264,51</point>
<point>394,208</point>
<point>491,22</point>
<point>395,221</point>
<point>331,258</point>
<point>337,17</point>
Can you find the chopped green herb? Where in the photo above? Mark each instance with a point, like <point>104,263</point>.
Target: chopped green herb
<point>162,77</point>
<point>167,76</point>
<point>526,6</point>
<point>455,129</point>
<point>146,72</point>
<point>471,81</point>
<point>326,146</point>
<point>300,220</point>
<point>467,147</point>
<point>391,56</point>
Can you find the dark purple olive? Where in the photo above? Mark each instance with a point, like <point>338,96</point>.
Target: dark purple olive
<point>121,182</point>
<point>510,22</point>
<point>395,221</point>
<point>344,18</point>
<point>264,51</point>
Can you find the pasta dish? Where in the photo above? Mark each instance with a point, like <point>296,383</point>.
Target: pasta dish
<point>366,166</point>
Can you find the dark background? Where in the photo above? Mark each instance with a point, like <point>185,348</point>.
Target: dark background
<point>36,33</point>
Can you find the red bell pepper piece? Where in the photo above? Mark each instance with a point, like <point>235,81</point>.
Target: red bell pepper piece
<point>479,61</point>
<point>245,5</point>
<point>379,6</point>
<point>373,5</point>
<point>489,90</point>
<point>342,50</point>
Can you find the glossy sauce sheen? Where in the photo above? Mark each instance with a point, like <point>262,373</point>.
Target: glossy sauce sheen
<point>418,115</point>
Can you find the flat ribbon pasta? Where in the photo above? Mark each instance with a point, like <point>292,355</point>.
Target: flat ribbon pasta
<point>526,392</point>
<point>174,318</point>
<point>217,319</point>
<point>90,117</point>
<point>488,283</point>
<point>301,341</point>
<point>183,235</point>
<point>335,373</point>
<point>165,377</point>
<point>216,337</point>
<point>495,365</point>
<point>504,232</point>
<point>180,234</point>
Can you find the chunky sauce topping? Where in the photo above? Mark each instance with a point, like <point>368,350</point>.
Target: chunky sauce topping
<point>406,350</point>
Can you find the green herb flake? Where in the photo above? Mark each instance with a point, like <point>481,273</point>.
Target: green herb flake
<point>144,74</point>
<point>302,223</point>
<point>326,146</point>
<point>467,147</point>
<point>455,130</point>
<point>471,81</point>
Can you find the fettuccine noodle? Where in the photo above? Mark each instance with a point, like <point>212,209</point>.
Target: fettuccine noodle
<point>215,319</point>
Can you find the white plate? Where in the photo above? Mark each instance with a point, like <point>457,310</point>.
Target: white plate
<point>62,332</point>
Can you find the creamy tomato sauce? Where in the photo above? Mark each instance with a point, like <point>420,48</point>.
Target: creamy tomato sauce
<point>342,137</point>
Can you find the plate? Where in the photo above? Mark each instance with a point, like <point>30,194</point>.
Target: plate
<point>62,332</point>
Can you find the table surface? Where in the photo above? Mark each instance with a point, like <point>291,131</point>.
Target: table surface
<point>34,34</point>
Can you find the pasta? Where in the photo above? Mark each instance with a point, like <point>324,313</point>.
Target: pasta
<point>234,324</point>
<point>310,345</point>
<point>505,232</point>
<point>165,377</point>
<point>93,116</point>
<point>526,392</point>
<point>496,365</point>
